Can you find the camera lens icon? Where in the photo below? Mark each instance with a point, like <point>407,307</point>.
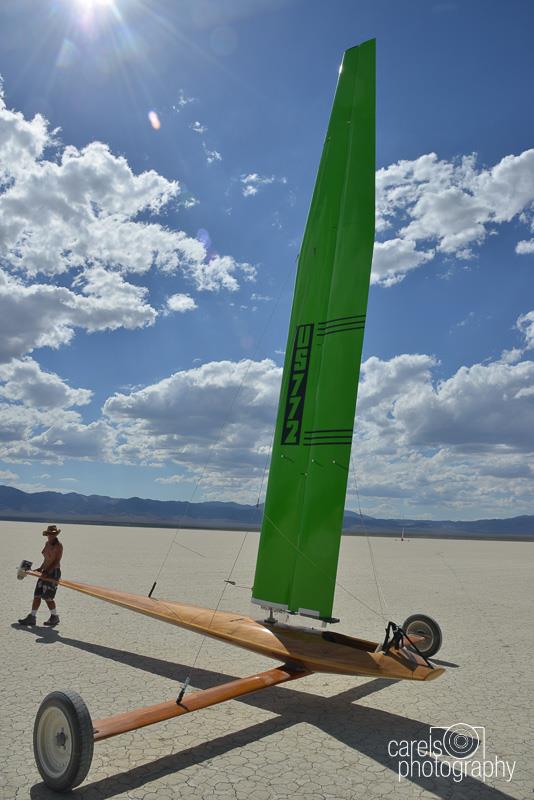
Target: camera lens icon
<point>462,740</point>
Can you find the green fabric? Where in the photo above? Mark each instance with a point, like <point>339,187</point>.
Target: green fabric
<point>303,517</point>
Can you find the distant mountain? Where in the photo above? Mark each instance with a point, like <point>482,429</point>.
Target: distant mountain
<point>509,528</point>
<point>99,509</point>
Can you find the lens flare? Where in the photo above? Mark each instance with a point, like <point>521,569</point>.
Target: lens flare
<point>204,237</point>
<point>154,120</point>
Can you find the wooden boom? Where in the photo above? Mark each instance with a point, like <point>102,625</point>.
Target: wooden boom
<point>131,720</point>
<point>308,649</point>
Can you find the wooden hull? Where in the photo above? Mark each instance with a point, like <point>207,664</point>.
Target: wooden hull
<point>309,650</point>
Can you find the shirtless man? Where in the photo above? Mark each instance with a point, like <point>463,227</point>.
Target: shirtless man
<point>50,568</point>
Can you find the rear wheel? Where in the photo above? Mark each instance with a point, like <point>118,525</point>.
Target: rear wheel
<point>63,740</point>
<point>427,628</point>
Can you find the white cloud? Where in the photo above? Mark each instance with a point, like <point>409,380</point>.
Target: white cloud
<point>6,476</point>
<point>525,324</point>
<point>508,187</point>
<point>48,435</point>
<point>24,380</point>
<point>394,258</point>
<point>77,214</point>
<point>136,247</point>
<point>197,127</point>
<point>37,422</point>
<point>443,445</point>
<point>381,380</point>
<point>108,302</point>
<point>69,215</point>
<point>197,402</point>
<point>170,479</point>
<point>75,439</point>
<point>215,420</point>
<point>482,407</point>
<point>180,303</point>
<point>21,141</point>
<point>450,205</point>
<point>253,182</point>
<point>82,209</point>
<point>459,447</point>
<point>183,100</point>
<point>525,247</point>
<point>41,315</point>
<point>511,356</point>
<point>220,272</point>
<point>263,298</point>
<point>212,156</point>
<point>189,202</point>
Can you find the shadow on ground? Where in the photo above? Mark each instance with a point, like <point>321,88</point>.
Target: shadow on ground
<point>365,730</point>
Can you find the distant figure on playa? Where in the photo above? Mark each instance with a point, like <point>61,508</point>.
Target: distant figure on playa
<point>50,568</point>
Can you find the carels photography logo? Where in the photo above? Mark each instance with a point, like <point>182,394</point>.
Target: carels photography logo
<point>455,752</point>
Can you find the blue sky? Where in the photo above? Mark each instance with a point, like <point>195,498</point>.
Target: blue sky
<point>157,161</point>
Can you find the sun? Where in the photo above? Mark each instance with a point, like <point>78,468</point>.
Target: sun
<point>91,7</point>
<point>90,12</point>
<point>90,4</point>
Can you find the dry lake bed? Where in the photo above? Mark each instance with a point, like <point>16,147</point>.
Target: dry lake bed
<point>323,737</point>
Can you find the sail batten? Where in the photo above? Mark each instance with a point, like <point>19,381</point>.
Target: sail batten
<point>301,530</point>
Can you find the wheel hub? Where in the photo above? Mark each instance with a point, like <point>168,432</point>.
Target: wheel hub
<point>61,738</point>
<point>54,745</point>
<point>423,630</point>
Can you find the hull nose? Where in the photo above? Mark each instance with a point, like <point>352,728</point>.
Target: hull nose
<point>405,664</point>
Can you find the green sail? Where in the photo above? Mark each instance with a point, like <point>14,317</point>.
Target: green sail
<point>303,516</point>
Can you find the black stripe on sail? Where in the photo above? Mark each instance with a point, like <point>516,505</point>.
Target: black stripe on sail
<point>328,436</point>
<point>342,325</point>
<point>338,323</point>
<point>342,319</point>
<point>329,430</point>
<point>334,439</point>
<point>317,444</point>
<point>340,330</point>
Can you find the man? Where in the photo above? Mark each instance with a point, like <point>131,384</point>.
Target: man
<point>50,568</point>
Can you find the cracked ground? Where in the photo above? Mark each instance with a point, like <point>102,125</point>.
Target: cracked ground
<point>323,737</point>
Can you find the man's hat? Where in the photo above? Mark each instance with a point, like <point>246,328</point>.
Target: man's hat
<point>52,530</point>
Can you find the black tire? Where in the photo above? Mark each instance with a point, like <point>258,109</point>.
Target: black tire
<point>63,740</point>
<point>422,625</point>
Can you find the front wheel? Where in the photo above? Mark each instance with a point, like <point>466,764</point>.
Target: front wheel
<point>63,740</point>
<point>427,628</point>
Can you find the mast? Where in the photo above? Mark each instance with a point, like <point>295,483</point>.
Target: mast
<point>303,516</point>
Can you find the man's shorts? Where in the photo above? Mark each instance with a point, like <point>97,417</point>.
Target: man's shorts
<point>45,589</point>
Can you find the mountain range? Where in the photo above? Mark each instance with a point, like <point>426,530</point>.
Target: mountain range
<point>99,509</point>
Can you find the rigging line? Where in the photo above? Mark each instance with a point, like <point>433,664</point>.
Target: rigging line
<point>270,452</point>
<point>174,613</point>
<point>229,412</point>
<point>225,584</point>
<point>238,585</point>
<point>381,598</point>
<point>321,569</point>
<point>262,480</point>
<point>268,456</point>
<point>183,546</point>
<point>472,602</point>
